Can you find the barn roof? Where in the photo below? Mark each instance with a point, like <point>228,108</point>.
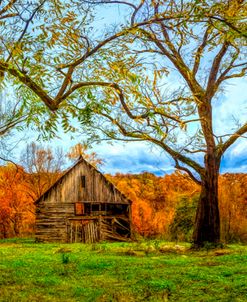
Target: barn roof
<point>80,160</point>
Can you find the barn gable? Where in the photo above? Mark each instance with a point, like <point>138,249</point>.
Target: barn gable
<point>82,201</point>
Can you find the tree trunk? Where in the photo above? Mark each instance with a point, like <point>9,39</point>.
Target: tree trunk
<point>207,223</point>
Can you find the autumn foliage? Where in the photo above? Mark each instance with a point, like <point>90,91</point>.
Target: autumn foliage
<point>165,206</point>
<point>162,206</point>
<point>233,207</point>
<point>16,204</point>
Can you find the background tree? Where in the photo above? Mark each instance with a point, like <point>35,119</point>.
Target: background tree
<point>12,115</point>
<point>155,199</point>
<point>80,150</point>
<point>44,167</point>
<point>233,206</point>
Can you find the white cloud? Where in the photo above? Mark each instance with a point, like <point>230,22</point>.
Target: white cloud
<point>231,109</point>
<point>133,157</point>
<point>239,149</point>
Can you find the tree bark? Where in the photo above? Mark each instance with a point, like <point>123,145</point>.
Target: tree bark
<point>207,222</point>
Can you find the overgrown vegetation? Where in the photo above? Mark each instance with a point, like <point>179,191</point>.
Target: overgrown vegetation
<point>145,271</point>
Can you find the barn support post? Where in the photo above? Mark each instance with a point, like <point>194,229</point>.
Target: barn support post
<point>100,226</point>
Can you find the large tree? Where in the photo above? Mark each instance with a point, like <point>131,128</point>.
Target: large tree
<point>201,48</point>
<point>52,54</point>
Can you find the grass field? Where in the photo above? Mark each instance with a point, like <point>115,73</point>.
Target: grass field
<point>146,271</point>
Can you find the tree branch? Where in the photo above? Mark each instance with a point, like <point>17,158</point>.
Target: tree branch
<point>25,79</point>
<point>229,24</point>
<point>112,2</point>
<point>221,148</point>
<point>11,15</point>
<point>120,93</point>
<point>144,136</point>
<point>210,90</point>
<point>200,50</point>
<point>177,166</point>
<point>6,127</point>
<point>132,20</point>
<point>25,28</point>
<point>7,7</point>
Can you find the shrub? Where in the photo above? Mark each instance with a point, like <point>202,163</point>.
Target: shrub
<point>182,226</point>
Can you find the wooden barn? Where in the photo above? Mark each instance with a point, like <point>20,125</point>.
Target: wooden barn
<point>83,206</point>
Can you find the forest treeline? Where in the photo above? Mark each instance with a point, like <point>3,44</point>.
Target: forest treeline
<point>163,207</point>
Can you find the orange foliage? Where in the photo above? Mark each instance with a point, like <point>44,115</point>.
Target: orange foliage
<point>233,207</point>
<point>16,205</point>
<point>155,200</point>
<point>80,150</point>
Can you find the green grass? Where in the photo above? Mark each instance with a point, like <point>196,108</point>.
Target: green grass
<point>148,271</point>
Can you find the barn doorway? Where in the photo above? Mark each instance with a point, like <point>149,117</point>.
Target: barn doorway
<point>85,231</point>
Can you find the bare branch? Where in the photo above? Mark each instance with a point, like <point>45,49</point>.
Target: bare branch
<point>221,148</point>
<point>200,49</point>
<point>132,20</point>
<point>215,69</point>
<point>177,166</point>
<point>112,2</point>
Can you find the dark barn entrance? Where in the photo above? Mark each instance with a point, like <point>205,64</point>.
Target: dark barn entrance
<point>98,221</point>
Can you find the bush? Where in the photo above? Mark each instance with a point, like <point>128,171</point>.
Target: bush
<point>182,226</point>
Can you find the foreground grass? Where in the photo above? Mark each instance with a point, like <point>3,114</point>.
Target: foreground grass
<point>148,271</point>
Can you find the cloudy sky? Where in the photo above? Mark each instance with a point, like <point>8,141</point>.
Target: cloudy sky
<point>138,157</point>
<point>229,110</point>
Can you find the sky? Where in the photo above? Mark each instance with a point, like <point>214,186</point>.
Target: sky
<point>139,157</point>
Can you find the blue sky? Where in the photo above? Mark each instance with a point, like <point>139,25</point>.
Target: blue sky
<point>139,157</point>
<point>136,157</point>
<point>229,110</point>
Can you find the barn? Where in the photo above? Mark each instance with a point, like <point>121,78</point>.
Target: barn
<point>83,206</point>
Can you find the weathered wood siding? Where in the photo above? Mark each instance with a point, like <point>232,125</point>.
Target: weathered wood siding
<point>56,206</point>
<point>97,188</point>
<point>51,221</point>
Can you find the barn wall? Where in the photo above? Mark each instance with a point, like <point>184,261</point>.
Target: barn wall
<point>69,188</point>
<point>51,219</point>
